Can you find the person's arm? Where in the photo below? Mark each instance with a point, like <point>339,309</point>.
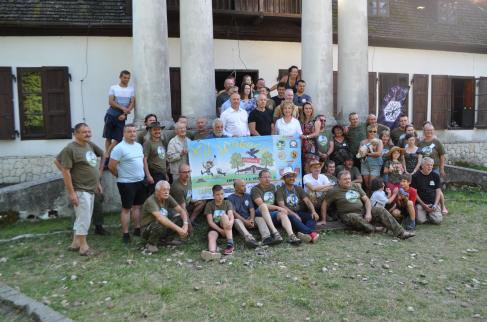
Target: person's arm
<point>273,129</point>
<point>316,131</point>
<point>252,216</point>
<point>437,197</point>
<point>311,208</point>
<point>150,180</point>
<point>281,204</point>
<point>68,182</point>
<point>418,164</point>
<point>442,165</point>
<point>252,129</point>
<point>211,223</point>
<point>113,103</point>
<point>112,166</point>
<point>238,216</point>
<point>368,208</point>
<point>358,179</point>
<point>131,105</point>
<point>173,154</point>
<point>378,153</point>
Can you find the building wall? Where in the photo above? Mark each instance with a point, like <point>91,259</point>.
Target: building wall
<point>94,64</point>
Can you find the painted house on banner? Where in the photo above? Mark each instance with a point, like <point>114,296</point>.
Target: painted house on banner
<point>59,57</point>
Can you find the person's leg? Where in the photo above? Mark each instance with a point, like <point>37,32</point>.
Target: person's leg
<point>139,199</point>
<point>322,212</point>
<point>227,227</point>
<point>135,213</point>
<point>444,210</point>
<point>308,220</point>
<point>366,181</point>
<point>435,217</point>
<point>83,213</point>
<point>396,213</point>
<point>125,220</point>
<point>357,221</point>
<point>240,227</point>
<point>197,209</point>
<point>212,238</point>
<point>283,219</point>
<point>383,217</point>
<point>298,225</point>
<point>262,227</point>
<point>420,215</point>
<point>152,233</point>
<point>264,211</point>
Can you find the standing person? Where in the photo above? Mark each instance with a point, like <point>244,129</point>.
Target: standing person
<point>427,184</point>
<point>201,128</point>
<point>217,132</point>
<point>372,160</point>
<point>281,90</point>
<point>339,145</point>
<point>412,158</point>
<point>127,165</point>
<point>290,80</point>
<point>235,119</point>
<point>121,98</point>
<point>260,119</point>
<point>78,165</point>
<point>372,120</point>
<point>311,129</point>
<point>228,103</point>
<point>300,97</point>
<point>316,185</point>
<point>155,156</point>
<point>323,140</point>
<point>157,219</point>
<point>409,130</point>
<point>354,209</point>
<point>143,135</point>
<point>302,213</point>
<point>247,101</point>
<point>224,95</point>
<point>431,147</point>
<point>355,134</point>
<point>288,124</point>
<point>401,130</point>
<point>288,97</point>
<point>177,150</point>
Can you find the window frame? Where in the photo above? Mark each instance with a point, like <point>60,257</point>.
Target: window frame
<point>376,12</point>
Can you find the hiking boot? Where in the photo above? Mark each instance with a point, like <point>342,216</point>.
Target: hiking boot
<point>99,230</point>
<point>228,250</point>
<point>314,236</point>
<point>408,224</point>
<point>276,238</point>
<point>126,238</point>
<point>137,232</point>
<point>209,256</point>
<point>305,237</point>
<point>250,241</point>
<point>267,241</point>
<point>151,248</point>
<point>292,239</point>
<point>406,234</point>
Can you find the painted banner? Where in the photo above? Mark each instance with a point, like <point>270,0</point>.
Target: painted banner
<point>220,161</point>
<point>392,106</point>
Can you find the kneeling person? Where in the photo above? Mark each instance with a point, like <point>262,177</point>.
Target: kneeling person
<point>219,214</point>
<point>157,219</point>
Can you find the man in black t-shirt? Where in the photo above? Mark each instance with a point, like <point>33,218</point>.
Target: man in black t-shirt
<point>260,119</point>
<point>427,184</point>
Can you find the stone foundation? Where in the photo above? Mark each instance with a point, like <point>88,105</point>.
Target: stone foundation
<point>471,152</point>
<point>25,169</point>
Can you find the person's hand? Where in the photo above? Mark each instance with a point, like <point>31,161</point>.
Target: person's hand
<point>73,198</point>
<point>222,232</point>
<point>442,172</point>
<point>388,191</point>
<point>368,217</point>
<point>283,210</point>
<point>122,117</point>
<point>150,180</point>
<point>99,189</point>
<point>183,233</point>
<point>315,216</point>
<point>427,208</point>
<point>184,151</point>
<point>250,223</point>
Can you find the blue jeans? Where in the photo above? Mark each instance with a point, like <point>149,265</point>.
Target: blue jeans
<point>306,225</point>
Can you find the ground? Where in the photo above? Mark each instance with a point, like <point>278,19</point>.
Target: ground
<point>440,275</point>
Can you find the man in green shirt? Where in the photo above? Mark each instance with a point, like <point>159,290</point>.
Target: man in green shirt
<point>78,165</point>
<point>354,209</point>
<point>323,139</point>
<point>401,130</point>
<point>356,132</point>
<point>155,156</point>
<point>157,221</point>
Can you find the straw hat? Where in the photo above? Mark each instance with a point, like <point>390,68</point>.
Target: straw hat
<point>394,149</point>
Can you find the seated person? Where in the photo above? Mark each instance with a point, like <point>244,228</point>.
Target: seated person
<point>244,213</point>
<point>355,210</point>
<point>293,199</point>
<point>354,171</point>
<point>316,185</point>
<point>330,171</point>
<point>427,184</point>
<point>381,196</point>
<point>403,210</point>
<point>158,221</point>
<point>219,214</point>
<point>264,197</point>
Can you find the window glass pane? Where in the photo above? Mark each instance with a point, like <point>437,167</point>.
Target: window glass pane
<point>447,11</point>
<point>383,9</point>
<point>373,8</point>
<point>33,122</point>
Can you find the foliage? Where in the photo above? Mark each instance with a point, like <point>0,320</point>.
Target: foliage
<point>236,161</point>
<point>266,159</point>
<point>32,100</point>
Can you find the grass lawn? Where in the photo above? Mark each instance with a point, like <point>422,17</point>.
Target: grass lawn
<point>440,275</point>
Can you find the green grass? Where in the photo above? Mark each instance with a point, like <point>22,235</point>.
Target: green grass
<point>470,165</point>
<point>433,273</point>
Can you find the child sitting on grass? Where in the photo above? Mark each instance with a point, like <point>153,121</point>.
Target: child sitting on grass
<point>403,210</point>
<point>219,214</point>
<point>379,197</point>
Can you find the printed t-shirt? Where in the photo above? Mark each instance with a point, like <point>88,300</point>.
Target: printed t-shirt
<point>152,205</point>
<point>181,193</point>
<point>267,194</point>
<point>293,198</point>
<point>155,152</point>
<point>347,200</point>
<point>217,211</point>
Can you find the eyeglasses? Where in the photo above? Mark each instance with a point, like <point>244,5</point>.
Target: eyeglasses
<point>372,131</point>
<point>189,171</point>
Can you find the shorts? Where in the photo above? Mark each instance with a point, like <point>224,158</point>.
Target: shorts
<point>83,212</point>
<point>370,170</point>
<point>132,193</point>
<point>113,128</point>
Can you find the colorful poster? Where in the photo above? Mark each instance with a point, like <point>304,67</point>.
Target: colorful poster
<point>220,161</point>
<point>392,106</point>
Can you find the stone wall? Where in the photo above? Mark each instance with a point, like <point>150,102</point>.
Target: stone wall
<point>25,169</point>
<point>471,152</point>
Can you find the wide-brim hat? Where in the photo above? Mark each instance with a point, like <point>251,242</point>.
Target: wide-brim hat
<point>394,149</point>
<point>287,171</point>
<point>313,163</point>
<point>154,125</point>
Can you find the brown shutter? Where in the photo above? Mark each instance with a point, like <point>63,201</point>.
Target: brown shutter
<point>7,125</point>
<point>247,5</point>
<point>175,81</point>
<point>482,106</point>
<point>372,92</point>
<point>387,80</point>
<point>56,104</point>
<point>335,95</point>
<point>420,100</point>
<point>440,101</point>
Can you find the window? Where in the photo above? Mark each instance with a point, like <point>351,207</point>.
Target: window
<point>379,8</point>
<point>44,103</point>
<point>447,11</point>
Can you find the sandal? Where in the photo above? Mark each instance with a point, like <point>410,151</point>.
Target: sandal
<point>73,249</point>
<point>444,211</point>
<point>88,253</point>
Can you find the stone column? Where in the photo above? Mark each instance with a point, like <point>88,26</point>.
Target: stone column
<point>197,62</point>
<point>151,60</point>
<point>317,54</point>
<point>353,94</point>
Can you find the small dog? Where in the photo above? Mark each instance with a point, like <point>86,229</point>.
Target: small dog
<point>371,147</point>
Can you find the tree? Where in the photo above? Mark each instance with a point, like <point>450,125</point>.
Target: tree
<point>236,161</point>
<point>266,160</point>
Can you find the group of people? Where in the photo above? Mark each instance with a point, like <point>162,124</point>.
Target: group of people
<point>369,177</point>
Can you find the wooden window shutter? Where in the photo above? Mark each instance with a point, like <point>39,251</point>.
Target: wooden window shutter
<point>335,93</point>
<point>175,86</point>
<point>440,101</point>
<point>7,124</point>
<point>55,99</point>
<point>372,92</point>
<point>420,99</point>
<point>387,80</point>
<point>482,105</point>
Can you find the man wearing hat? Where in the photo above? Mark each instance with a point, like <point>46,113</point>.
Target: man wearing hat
<point>316,185</point>
<point>354,208</point>
<point>293,199</point>
<point>155,156</point>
